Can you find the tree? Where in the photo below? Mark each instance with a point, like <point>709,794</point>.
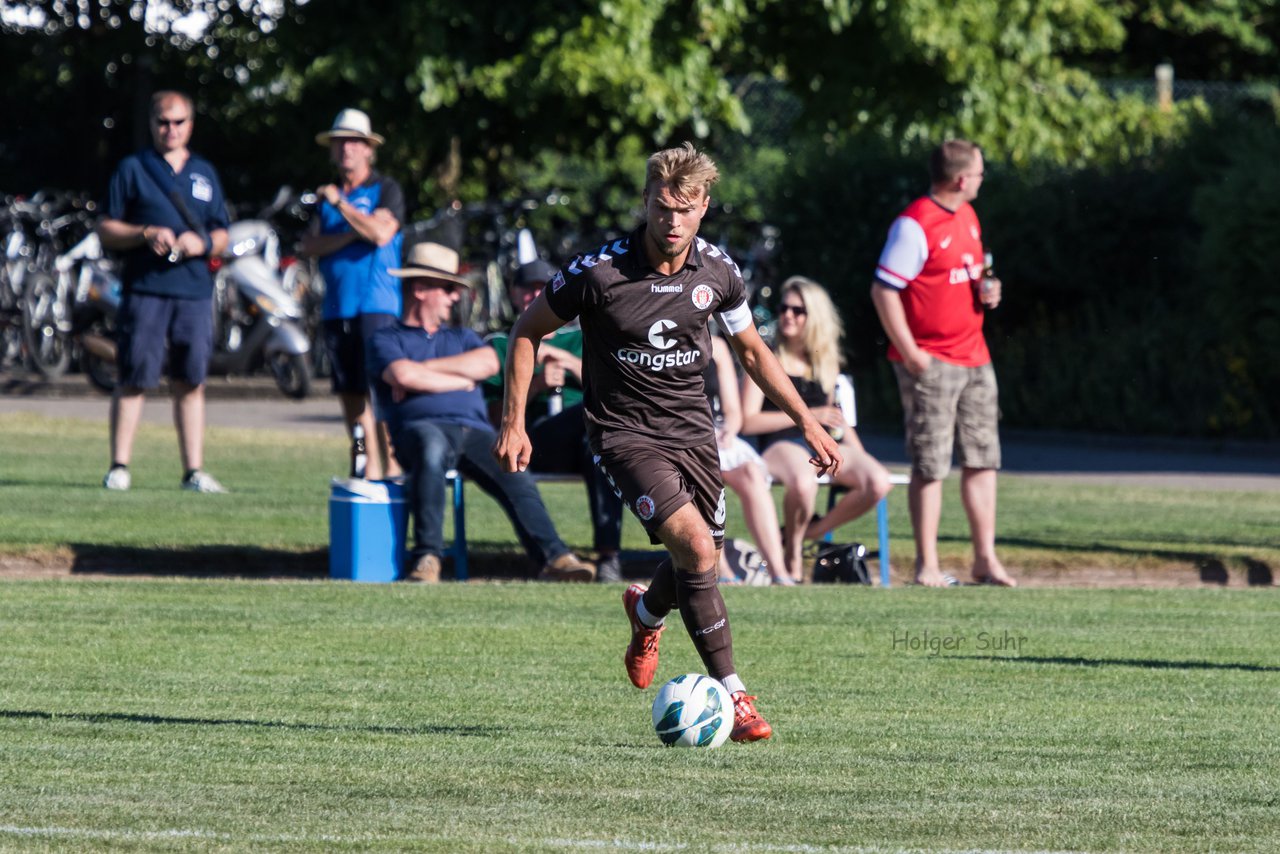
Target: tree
<point>1015,75</point>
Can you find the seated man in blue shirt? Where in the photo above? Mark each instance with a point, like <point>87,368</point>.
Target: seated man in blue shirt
<point>426,374</point>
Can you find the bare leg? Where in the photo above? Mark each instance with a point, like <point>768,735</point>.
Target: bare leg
<point>978,493</point>
<point>925,500</point>
<point>761,516</point>
<point>356,410</point>
<point>390,465</point>
<point>126,413</point>
<point>866,481</point>
<point>686,537</point>
<point>789,465</point>
<point>188,419</point>
<point>723,570</point>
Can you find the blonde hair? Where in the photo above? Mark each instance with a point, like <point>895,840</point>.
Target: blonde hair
<point>823,332</point>
<point>687,171</point>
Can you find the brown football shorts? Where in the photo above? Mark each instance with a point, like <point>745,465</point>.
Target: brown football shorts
<point>655,481</point>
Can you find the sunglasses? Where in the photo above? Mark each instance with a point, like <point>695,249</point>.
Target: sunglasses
<point>449,287</point>
<point>797,310</point>
<point>164,123</point>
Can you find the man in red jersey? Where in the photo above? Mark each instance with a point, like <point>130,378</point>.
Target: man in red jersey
<point>931,290</point>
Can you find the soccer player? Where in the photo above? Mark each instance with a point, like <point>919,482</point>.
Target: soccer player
<point>643,302</point>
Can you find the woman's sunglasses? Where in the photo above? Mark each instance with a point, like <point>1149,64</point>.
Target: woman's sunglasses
<point>797,310</point>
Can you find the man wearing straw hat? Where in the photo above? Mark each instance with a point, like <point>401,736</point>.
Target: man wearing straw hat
<point>426,375</point>
<point>357,238</point>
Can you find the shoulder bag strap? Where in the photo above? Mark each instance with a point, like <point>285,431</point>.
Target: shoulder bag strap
<point>163,181</point>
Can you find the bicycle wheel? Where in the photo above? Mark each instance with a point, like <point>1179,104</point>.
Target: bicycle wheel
<point>291,374</point>
<point>46,327</point>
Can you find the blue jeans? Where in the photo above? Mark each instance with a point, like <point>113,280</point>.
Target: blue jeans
<point>427,449</point>
<point>560,446</point>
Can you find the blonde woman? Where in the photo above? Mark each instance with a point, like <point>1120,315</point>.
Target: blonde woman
<point>808,346</point>
<point>741,467</point>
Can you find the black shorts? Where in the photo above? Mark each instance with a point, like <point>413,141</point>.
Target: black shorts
<point>147,324</point>
<point>345,339</point>
<point>656,481</point>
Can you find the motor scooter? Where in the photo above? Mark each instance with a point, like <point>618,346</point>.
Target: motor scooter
<point>257,322</point>
<point>98,291</point>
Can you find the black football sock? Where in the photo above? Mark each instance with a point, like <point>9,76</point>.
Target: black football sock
<point>706,620</point>
<point>660,598</point>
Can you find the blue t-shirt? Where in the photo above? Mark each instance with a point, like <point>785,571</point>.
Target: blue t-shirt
<point>413,342</point>
<point>135,197</point>
<point>355,277</point>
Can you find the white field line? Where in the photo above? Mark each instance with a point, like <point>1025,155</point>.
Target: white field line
<point>580,844</point>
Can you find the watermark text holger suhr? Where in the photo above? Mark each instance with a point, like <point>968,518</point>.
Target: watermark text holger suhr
<point>937,643</point>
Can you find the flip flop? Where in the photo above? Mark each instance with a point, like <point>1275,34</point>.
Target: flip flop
<point>988,581</point>
<point>947,581</point>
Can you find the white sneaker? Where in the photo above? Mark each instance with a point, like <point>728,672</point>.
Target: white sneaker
<point>117,479</point>
<point>202,481</point>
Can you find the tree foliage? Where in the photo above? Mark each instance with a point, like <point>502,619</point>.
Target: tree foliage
<point>470,94</point>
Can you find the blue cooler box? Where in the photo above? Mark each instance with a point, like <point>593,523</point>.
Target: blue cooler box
<point>366,530</point>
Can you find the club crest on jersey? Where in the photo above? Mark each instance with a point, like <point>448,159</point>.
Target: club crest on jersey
<point>557,281</point>
<point>201,187</point>
<point>645,507</point>
<point>702,296</point>
<point>973,229</point>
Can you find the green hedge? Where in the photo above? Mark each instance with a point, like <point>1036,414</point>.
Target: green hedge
<point>1139,299</point>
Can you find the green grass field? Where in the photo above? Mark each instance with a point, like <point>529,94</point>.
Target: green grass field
<point>306,716</point>
<point>234,714</point>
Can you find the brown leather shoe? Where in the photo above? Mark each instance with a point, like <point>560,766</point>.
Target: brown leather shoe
<point>426,570</point>
<point>568,567</point>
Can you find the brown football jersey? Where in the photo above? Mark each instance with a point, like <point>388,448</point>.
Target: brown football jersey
<point>645,338</point>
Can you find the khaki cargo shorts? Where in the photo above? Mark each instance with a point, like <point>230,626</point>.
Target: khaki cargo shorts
<point>950,407</point>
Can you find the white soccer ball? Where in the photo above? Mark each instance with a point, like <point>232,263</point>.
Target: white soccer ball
<point>693,711</point>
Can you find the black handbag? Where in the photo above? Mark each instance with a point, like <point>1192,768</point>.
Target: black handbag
<point>841,563</point>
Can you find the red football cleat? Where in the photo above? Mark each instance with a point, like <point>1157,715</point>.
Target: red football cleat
<point>642,653</point>
<point>747,723</point>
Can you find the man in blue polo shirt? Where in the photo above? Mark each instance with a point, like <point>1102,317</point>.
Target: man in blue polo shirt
<point>357,238</point>
<point>167,216</point>
<point>426,376</point>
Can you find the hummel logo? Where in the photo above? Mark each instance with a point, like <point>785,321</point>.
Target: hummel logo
<point>715,252</point>
<point>604,253</point>
<point>944,242</point>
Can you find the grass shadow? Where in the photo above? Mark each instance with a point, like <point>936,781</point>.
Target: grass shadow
<point>485,561</point>
<point>1212,568</point>
<point>199,561</point>
<point>164,720</point>
<point>1143,663</point>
